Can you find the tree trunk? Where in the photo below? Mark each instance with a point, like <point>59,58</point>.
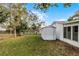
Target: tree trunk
<point>15,33</point>
<point>10,31</point>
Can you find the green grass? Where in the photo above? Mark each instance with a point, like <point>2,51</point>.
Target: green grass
<point>34,46</point>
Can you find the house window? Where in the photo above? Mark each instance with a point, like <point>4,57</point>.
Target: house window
<point>69,32</point>
<point>64,32</point>
<point>75,33</point>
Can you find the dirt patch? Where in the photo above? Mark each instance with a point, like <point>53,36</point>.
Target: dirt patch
<point>64,48</point>
<point>6,36</point>
<point>72,48</point>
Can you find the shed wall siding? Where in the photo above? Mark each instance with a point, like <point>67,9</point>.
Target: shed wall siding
<point>48,33</point>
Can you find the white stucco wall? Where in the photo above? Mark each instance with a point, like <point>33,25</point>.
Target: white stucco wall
<point>48,33</point>
<point>59,30</point>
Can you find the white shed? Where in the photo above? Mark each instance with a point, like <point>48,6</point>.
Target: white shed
<point>48,33</point>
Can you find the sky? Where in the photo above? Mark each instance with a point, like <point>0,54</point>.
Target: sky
<point>54,13</point>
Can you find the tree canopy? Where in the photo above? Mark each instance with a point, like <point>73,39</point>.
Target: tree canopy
<point>45,6</point>
<point>3,14</point>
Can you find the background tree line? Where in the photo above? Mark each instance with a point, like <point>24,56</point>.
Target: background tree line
<point>17,18</point>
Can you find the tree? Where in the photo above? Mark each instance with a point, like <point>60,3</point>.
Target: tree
<point>19,18</point>
<point>3,14</point>
<point>17,15</point>
<point>34,27</point>
<point>45,6</point>
<point>70,19</point>
<point>22,28</point>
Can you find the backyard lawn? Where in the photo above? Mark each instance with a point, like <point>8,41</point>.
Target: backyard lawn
<point>33,45</point>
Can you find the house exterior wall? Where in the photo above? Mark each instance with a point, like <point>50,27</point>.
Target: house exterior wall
<point>71,41</point>
<point>59,30</point>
